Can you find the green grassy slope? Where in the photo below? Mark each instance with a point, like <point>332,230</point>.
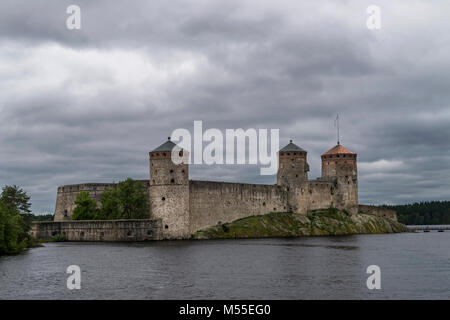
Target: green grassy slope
<point>285,224</point>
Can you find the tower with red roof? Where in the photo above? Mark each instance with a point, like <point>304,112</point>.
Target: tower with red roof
<point>339,166</point>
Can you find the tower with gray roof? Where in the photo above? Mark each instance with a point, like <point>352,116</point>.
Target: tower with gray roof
<point>292,166</point>
<point>169,189</point>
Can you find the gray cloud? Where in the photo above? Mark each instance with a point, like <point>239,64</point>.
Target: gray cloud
<point>88,105</point>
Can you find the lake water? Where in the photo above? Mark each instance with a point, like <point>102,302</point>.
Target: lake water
<point>413,266</point>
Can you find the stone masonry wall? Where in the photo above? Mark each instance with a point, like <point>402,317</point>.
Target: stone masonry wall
<point>382,212</point>
<point>99,230</point>
<point>170,203</point>
<point>65,199</point>
<point>321,194</point>
<point>212,203</point>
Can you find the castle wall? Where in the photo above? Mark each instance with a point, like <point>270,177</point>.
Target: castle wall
<point>321,195</point>
<point>382,212</point>
<point>341,193</point>
<point>211,202</point>
<point>299,198</point>
<point>66,196</point>
<point>99,230</point>
<point>347,195</point>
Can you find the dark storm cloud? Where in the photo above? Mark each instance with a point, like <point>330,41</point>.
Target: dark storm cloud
<point>88,105</point>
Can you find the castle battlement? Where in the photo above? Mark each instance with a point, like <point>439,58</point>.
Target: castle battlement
<point>85,187</point>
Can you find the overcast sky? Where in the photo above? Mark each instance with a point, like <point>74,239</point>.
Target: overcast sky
<point>87,105</point>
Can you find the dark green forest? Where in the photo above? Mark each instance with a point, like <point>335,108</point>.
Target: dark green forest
<point>15,220</point>
<point>42,217</point>
<point>429,212</point>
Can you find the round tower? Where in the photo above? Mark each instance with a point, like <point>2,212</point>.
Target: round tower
<point>169,189</point>
<point>292,166</point>
<point>339,166</point>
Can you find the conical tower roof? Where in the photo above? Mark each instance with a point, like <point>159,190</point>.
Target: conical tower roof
<point>292,147</point>
<point>338,149</point>
<point>166,146</point>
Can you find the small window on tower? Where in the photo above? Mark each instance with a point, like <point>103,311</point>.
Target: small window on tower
<point>172,180</point>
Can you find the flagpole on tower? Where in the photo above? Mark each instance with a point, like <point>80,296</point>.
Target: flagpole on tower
<point>336,124</point>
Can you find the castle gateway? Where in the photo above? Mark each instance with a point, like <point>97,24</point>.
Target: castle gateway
<point>180,206</point>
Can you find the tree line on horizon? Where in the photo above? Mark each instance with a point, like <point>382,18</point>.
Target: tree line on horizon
<point>423,213</point>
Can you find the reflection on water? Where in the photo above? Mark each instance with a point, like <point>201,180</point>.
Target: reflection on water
<point>413,266</point>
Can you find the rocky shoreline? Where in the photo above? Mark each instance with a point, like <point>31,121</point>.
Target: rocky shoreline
<point>317,223</point>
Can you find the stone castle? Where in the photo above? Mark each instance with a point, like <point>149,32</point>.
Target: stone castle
<point>180,207</point>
